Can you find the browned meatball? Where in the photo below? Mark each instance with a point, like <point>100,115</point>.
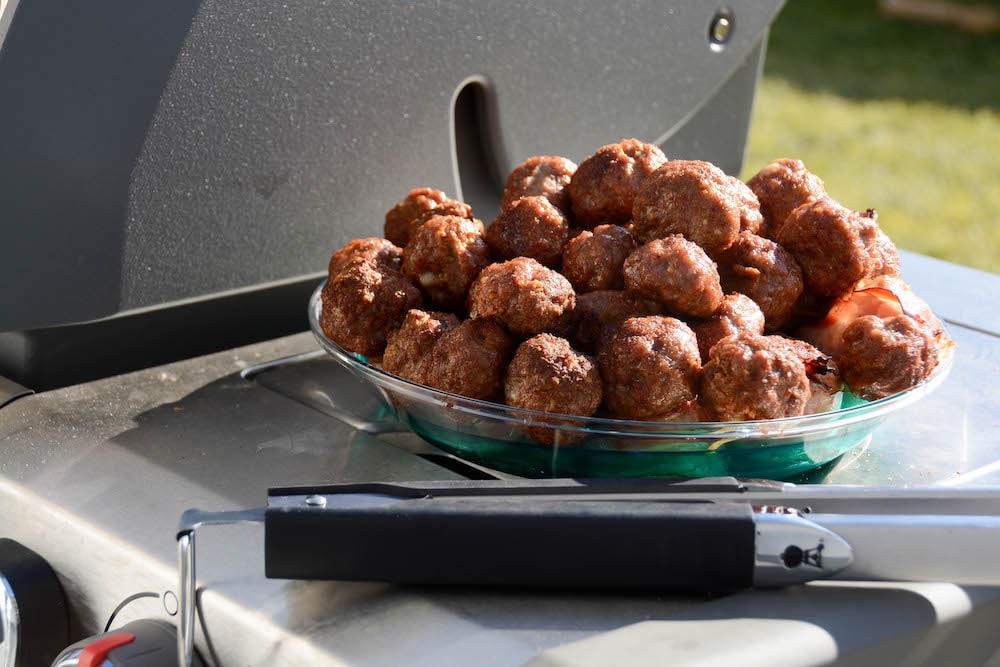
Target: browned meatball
<point>545,175</point>
<point>411,207</point>
<point>781,187</point>
<point>599,313</point>
<point>677,273</point>
<point>828,241</point>
<point>529,227</point>
<point>819,367</point>
<point>592,260</point>
<point>547,374</point>
<point>604,186</point>
<point>751,218</point>
<point>363,304</point>
<point>751,377</point>
<point>448,207</point>
<point>383,251</point>
<point>737,314</point>
<point>650,367</point>
<point>883,356</point>
<point>882,253</point>
<point>523,295</point>
<point>444,256</point>
<point>764,271</point>
<point>407,348</point>
<point>689,197</point>
<point>825,383</point>
<point>470,360</point>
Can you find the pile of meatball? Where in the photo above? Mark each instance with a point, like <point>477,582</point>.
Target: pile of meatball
<point>633,286</point>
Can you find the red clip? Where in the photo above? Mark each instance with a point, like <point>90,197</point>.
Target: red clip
<point>95,653</point>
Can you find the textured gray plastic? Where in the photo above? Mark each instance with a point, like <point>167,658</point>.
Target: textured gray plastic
<point>160,152</point>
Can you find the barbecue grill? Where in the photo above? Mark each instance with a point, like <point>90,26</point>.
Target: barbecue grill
<point>174,178</point>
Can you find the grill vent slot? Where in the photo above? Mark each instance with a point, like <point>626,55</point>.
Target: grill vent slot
<point>480,165</point>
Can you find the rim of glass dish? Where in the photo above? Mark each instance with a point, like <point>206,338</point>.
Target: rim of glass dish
<point>768,428</point>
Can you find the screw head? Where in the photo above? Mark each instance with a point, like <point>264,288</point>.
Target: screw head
<point>721,28</point>
<point>315,501</point>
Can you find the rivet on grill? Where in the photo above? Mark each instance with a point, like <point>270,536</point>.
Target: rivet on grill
<point>721,28</point>
<point>316,501</point>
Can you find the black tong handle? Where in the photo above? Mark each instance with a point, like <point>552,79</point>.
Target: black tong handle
<point>514,542</point>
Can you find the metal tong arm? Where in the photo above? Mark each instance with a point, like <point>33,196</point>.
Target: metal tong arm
<point>809,498</point>
<point>191,520</point>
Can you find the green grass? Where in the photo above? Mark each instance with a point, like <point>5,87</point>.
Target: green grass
<point>899,116</point>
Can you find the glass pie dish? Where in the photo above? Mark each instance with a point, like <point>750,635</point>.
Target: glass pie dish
<point>538,444</point>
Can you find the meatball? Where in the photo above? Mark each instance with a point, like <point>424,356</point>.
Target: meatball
<point>751,218</point>
<point>751,377</point>
<point>781,187</point>
<point>882,253</point>
<point>604,186</point>
<point>411,207</point>
<point>692,198</point>
<point>363,304</point>
<point>649,367</point>
<point>523,295</point>
<point>764,271</point>
<point>548,375</point>
<point>597,314</point>
<point>529,227</point>
<point>884,356</point>
<point>677,273</point>
<point>470,360</point>
<point>830,243</point>
<point>545,175</point>
<point>824,377</point>
<point>592,260</point>
<point>408,347</point>
<point>382,251</point>
<point>737,314</point>
<point>443,257</point>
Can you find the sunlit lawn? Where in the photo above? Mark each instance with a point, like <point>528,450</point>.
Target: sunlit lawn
<point>898,116</point>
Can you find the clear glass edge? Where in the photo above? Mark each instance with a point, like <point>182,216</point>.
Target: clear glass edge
<point>786,427</point>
